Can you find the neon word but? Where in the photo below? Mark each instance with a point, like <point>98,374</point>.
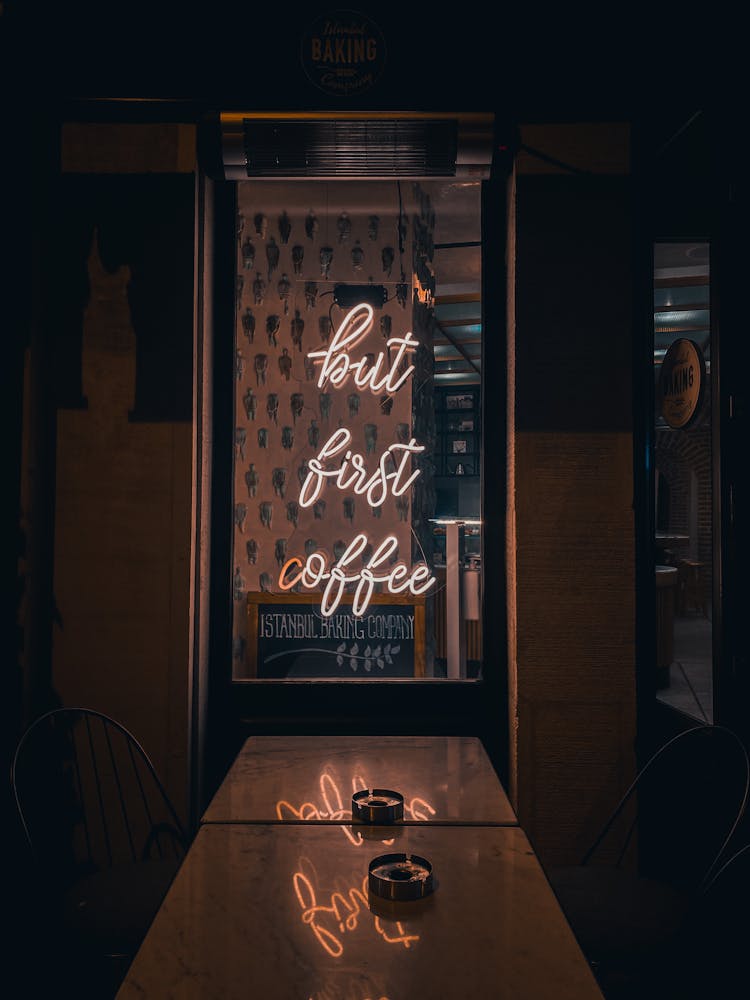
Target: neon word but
<point>396,578</point>
<point>337,365</point>
<point>353,475</point>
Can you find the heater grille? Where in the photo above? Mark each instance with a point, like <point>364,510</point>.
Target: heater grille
<point>359,146</point>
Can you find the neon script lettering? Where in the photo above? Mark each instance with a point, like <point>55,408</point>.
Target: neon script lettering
<point>352,474</point>
<point>397,578</point>
<point>337,365</point>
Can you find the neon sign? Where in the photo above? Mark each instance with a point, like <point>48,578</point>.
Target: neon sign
<point>391,478</point>
<point>333,807</point>
<point>344,910</point>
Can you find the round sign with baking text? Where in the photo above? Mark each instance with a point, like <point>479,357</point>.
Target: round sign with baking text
<point>682,379</point>
<point>343,52</point>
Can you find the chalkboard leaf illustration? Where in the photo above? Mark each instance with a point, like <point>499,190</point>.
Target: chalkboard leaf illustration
<point>377,651</point>
<point>311,294</point>
<point>355,649</point>
<point>368,651</point>
<point>272,407</point>
<point>380,663</point>
<point>252,550</point>
<point>358,256</point>
<point>266,582</point>
<point>285,364</point>
<point>339,661</point>
<point>368,665</point>
<point>325,405</point>
<point>371,437</point>
<point>259,289</point>
<point>395,650</point>
<point>273,322</point>
<point>344,227</point>
<point>326,259</point>
<point>248,254</point>
<point>261,224</point>
<point>287,437</point>
<point>272,256</point>
<point>297,405</point>
<point>388,658</point>
<point>353,663</point>
<point>311,225</point>
<point>279,551</point>
<point>240,439</point>
<point>283,287</point>
<point>341,648</point>
<point>248,324</point>
<point>298,256</point>
<point>260,364</point>
<point>325,326</point>
<point>250,402</point>
<point>285,226</point>
<point>373,224</point>
<point>387,257</point>
<point>298,327</point>
<point>262,437</point>
<point>238,584</point>
<point>252,478</point>
<point>239,365</point>
<point>266,513</point>
<point>240,513</point>
<point>278,480</point>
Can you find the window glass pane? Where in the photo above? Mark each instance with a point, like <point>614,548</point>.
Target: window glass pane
<point>683,477</point>
<point>356,535</point>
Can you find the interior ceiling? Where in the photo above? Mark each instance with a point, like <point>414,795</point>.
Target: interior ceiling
<point>681,296</point>
<point>457,264</point>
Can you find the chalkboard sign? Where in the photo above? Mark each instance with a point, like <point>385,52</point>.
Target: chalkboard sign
<point>288,637</point>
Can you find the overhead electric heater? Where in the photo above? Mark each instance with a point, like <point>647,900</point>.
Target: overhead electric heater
<point>337,145</point>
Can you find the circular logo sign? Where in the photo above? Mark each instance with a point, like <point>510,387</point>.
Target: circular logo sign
<point>681,381</point>
<point>343,52</point>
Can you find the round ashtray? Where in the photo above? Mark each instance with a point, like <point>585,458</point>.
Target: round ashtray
<point>377,805</point>
<point>400,876</point>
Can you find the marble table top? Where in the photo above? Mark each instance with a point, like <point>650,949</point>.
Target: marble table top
<point>283,912</point>
<point>443,779</point>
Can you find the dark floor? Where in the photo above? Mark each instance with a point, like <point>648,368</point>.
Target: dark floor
<point>690,687</point>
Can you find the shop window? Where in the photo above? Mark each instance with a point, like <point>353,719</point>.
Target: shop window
<point>357,446</point>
